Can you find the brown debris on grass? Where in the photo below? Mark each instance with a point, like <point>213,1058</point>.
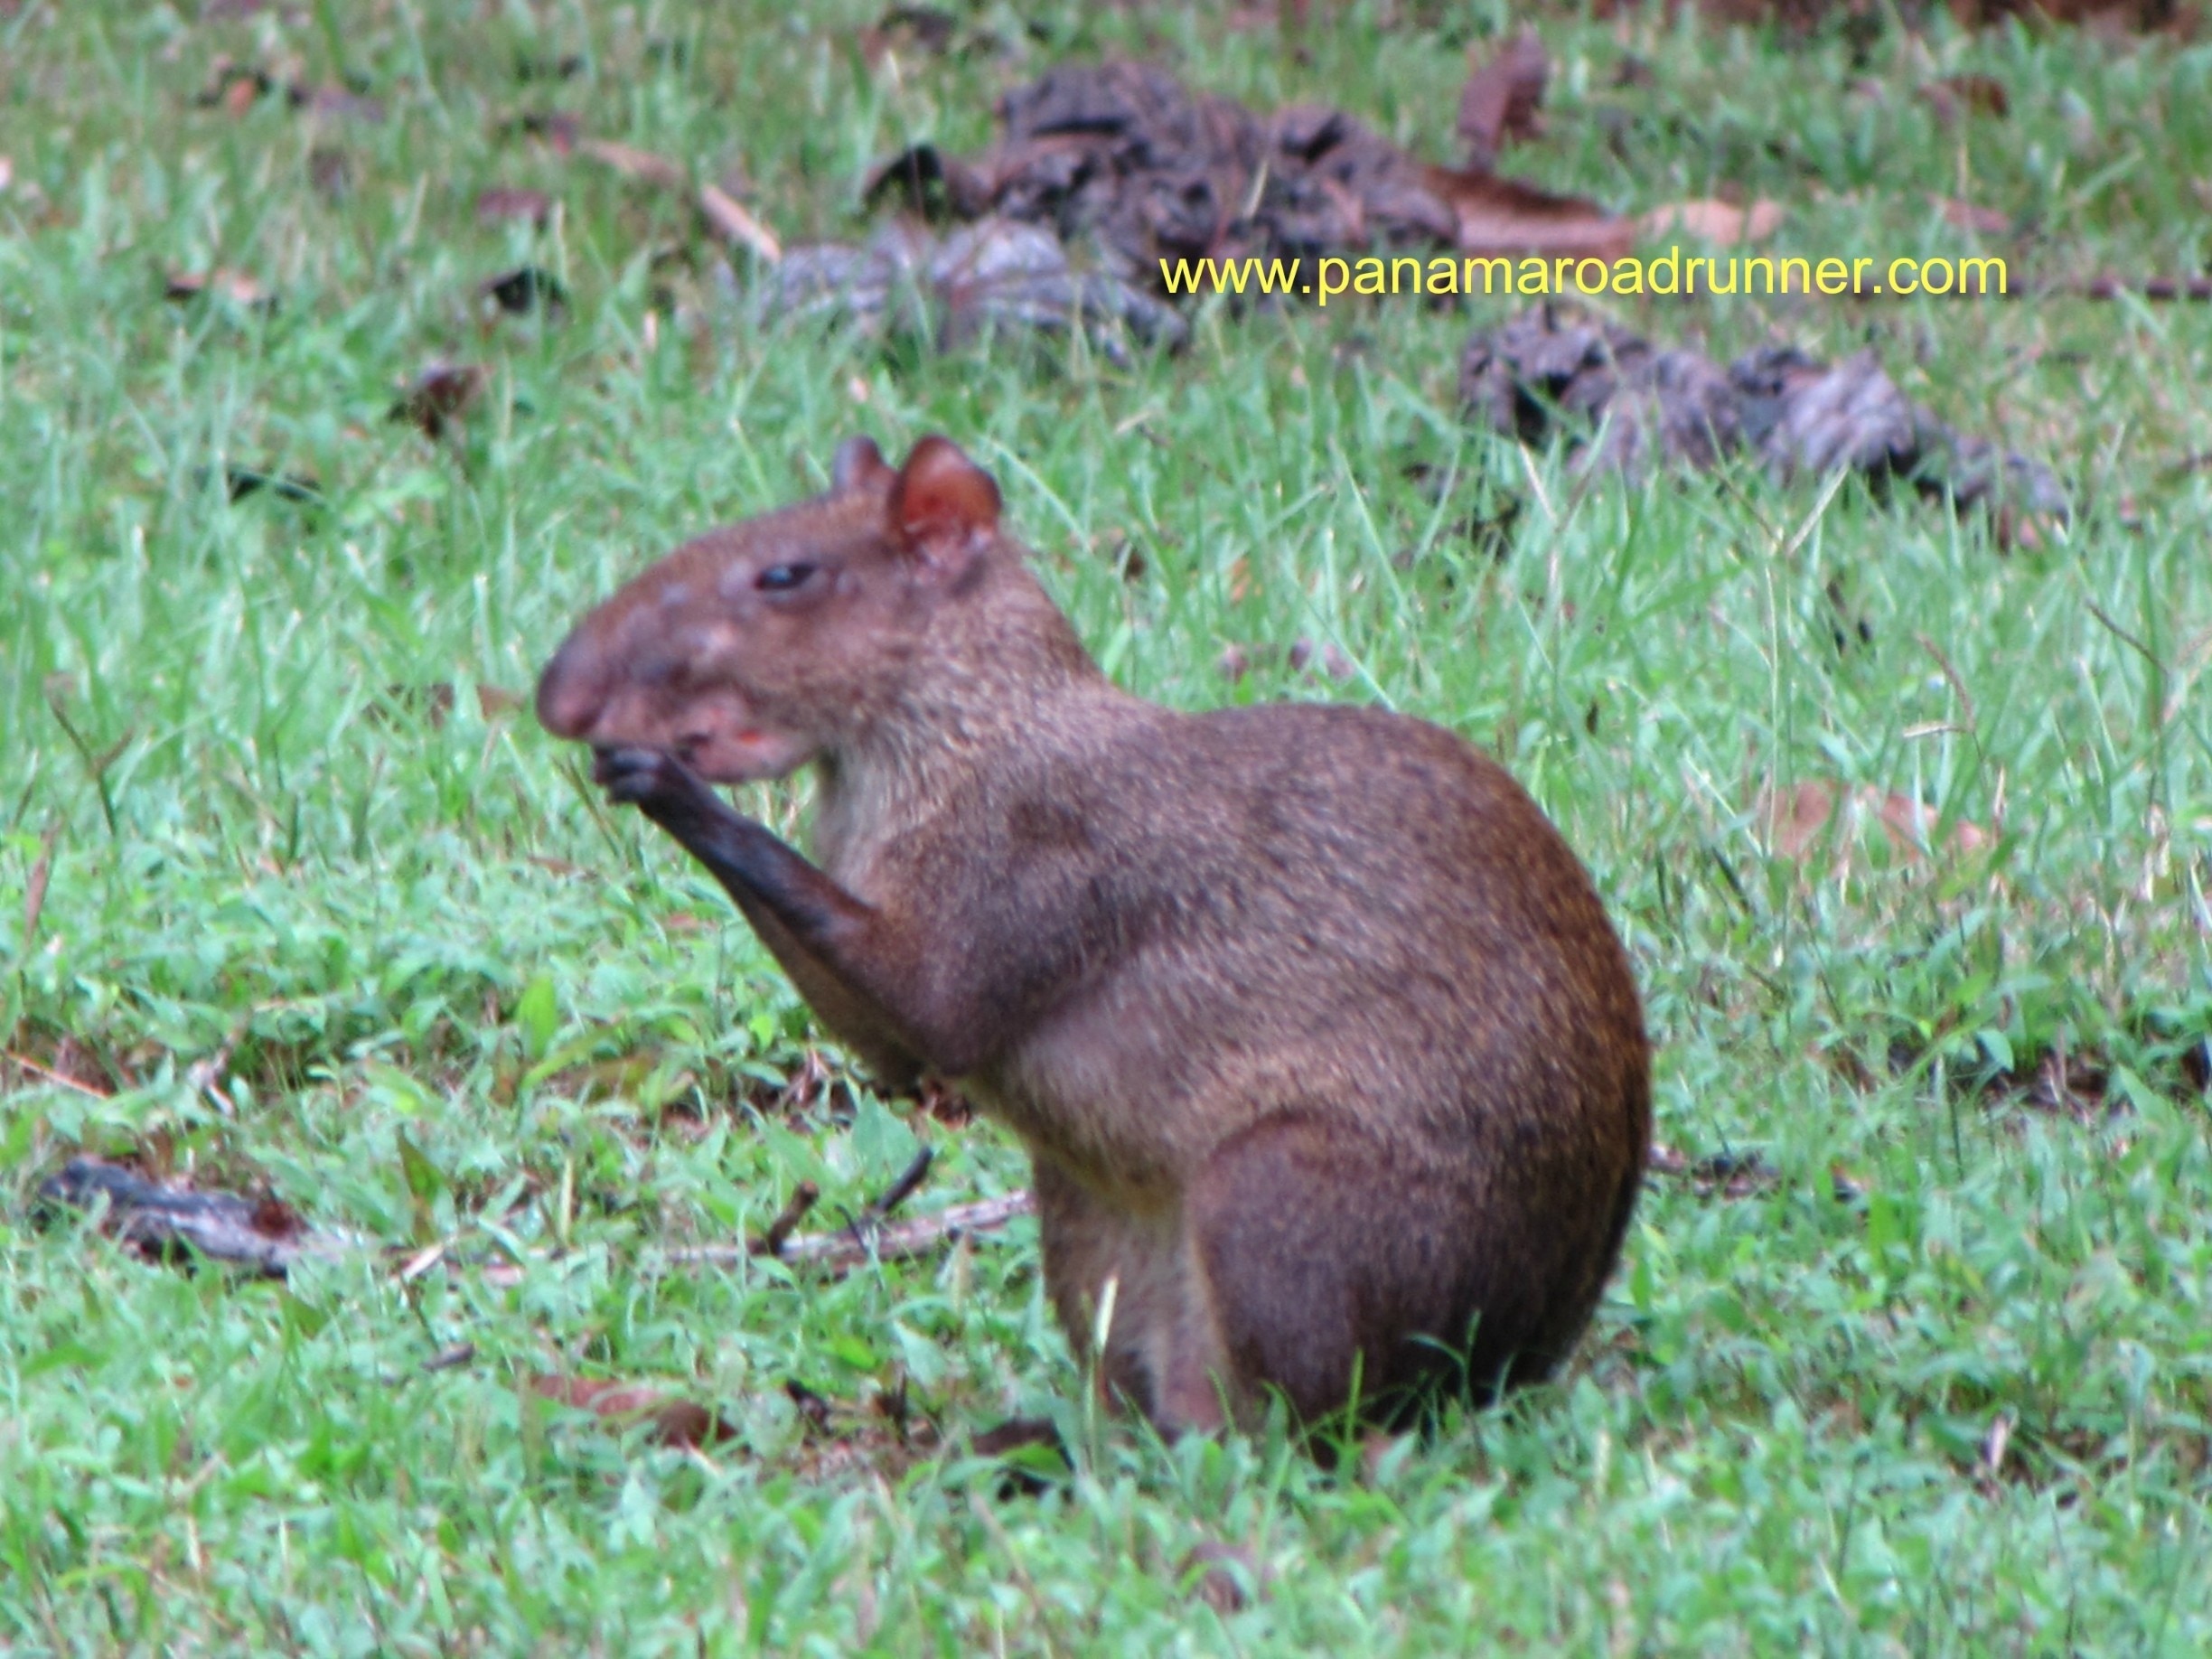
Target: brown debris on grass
<point>501,203</point>
<point>35,890</point>
<point>558,129</point>
<point>235,286</point>
<point>241,482</point>
<point>912,30</point>
<point>670,1419</point>
<point>1721,223</point>
<point>2111,19</point>
<point>1634,403</point>
<point>1123,154</point>
<point>235,88</point>
<point>344,102</point>
<point>1301,657</point>
<point>433,702</point>
<point>730,221</point>
<point>1793,821</point>
<point>525,289</point>
<point>1955,95</point>
<point>726,218</point>
<point>1123,162</point>
<point>1968,216</point>
<point>441,394</point>
<point>632,162</point>
<point>993,275</point>
<point>170,1223</point>
<point>855,1246</point>
<point>1500,101</point>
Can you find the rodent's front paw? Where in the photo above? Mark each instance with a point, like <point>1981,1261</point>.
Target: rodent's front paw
<point>638,775</point>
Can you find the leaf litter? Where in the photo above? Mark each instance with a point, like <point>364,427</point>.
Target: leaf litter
<point>1102,172</point>
<point>1629,405</point>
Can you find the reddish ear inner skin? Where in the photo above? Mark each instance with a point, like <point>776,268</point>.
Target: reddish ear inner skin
<point>941,495</point>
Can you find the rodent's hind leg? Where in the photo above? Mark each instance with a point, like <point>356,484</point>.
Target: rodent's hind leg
<point>1330,1267</point>
<point>1163,1352</point>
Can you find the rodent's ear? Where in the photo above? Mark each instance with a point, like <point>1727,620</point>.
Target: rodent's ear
<point>942,505</point>
<point>860,465</point>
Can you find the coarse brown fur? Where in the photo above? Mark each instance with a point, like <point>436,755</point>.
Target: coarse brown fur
<point>1332,1069</point>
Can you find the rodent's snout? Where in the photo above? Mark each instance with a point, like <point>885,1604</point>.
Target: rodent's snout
<point>572,691</point>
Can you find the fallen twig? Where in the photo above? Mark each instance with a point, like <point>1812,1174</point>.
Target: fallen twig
<point>2150,288</point>
<point>164,1221</point>
<point>267,1236</point>
<point>729,221</point>
<point>51,1076</point>
<point>842,1249</point>
<point>902,1189</point>
<point>780,1229</point>
<point>35,890</point>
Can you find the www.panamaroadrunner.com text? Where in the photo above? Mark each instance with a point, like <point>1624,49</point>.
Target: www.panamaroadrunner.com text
<point>1376,276</point>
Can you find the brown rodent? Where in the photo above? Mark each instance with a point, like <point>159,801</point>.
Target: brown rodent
<point>1329,1061</point>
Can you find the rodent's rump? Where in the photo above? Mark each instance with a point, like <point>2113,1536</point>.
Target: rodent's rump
<point>1325,1052</point>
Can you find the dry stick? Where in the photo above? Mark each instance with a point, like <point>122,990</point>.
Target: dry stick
<point>792,1213</point>
<point>864,1227</point>
<point>2150,287</point>
<point>900,1190</point>
<point>2172,288</point>
<point>842,1250</point>
<point>2151,656</point>
<point>33,1066</point>
<point>35,890</point>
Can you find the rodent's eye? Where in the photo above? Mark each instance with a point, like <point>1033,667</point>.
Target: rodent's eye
<point>782,578</point>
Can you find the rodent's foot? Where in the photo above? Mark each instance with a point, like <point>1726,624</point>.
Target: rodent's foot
<point>642,776</point>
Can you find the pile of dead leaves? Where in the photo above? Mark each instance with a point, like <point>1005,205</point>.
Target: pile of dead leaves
<point>1124,155</point>
<point>1125,164</point>
<point>1631,404</point>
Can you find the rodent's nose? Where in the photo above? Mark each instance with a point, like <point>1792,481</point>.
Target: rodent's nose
<point>573,690</point>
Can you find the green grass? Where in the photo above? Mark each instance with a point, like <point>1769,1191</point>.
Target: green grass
<point>401,936</point>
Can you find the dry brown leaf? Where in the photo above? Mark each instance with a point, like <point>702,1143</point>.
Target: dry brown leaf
<point>559,129</point>
<point>919,28</point>
<point>35,890</point>
<point>1967,216</point>
<point>439,395</point>
<point>334,100</point>
<point>1957,95</point>
<point>1500,218</point>
<point>1207,1570</point>
<point>235,286</point>
<point>674,1421</point>
<point>1721,223</point>
<point>1792,820</point>
<point>1911,823</point>
<point>500,203</point>
<point>525,289</point>
<point>1498,105</point>
<point>731,222</point>
<point>635,163</point>
<point>434,701</point>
